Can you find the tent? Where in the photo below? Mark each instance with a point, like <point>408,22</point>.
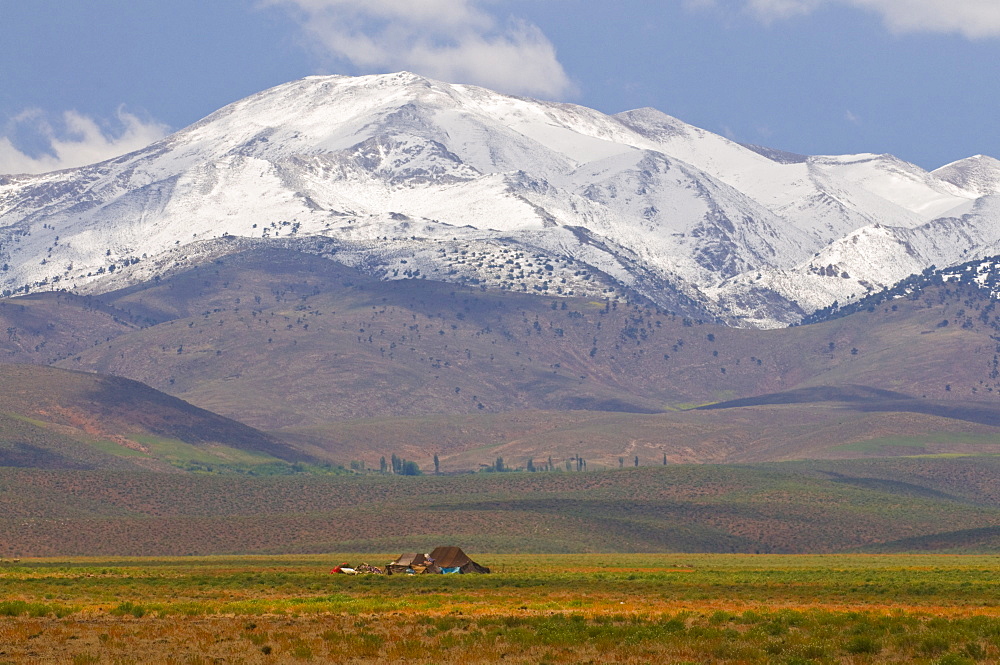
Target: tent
<point>454,560</point>
<point>411,561</point>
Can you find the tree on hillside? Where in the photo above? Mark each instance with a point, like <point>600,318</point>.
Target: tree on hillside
<point>437,465</point>
<point>382,466</point>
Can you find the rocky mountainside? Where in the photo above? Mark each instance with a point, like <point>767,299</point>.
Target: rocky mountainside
<point>406,177</point>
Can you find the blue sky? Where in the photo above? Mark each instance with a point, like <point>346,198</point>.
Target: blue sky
<point>84,80</point>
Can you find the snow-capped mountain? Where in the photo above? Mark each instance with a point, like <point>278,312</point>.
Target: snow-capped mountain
<point>979,174</point>
<point>409,177</point>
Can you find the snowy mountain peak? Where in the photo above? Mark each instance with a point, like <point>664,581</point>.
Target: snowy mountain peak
<point>410,177</point>
<point>979,174</point>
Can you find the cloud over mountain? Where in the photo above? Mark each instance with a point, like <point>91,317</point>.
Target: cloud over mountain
<point>452,40</point>
<point>77,141</point>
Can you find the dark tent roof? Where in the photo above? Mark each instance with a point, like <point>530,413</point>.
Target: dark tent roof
<point>409,559</point>
<point>449,557</point>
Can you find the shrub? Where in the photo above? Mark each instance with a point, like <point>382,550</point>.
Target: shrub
<point>955,659</point>
<point>302,651</point>
<point>974,650</point>
<point>85,659</point>
<point>934,644</point>
<point>127,607</point>
<point>863,644</point>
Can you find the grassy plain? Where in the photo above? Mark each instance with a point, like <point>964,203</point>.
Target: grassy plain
<point>634,608</point>
<point>901,504</point>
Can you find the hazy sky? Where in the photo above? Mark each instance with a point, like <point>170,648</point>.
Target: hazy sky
<point>83,80</point>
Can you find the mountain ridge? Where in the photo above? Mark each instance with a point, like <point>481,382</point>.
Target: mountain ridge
<point>404,168</point>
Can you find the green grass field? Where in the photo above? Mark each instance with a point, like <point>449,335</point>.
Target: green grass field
<point>981,443</point>
<point>601,608</point>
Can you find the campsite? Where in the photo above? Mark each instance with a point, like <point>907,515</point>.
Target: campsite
<point>622,608</point>
<point>442,561</point>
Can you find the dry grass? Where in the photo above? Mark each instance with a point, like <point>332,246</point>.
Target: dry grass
<point>548,609</point>
<point>829,506</point>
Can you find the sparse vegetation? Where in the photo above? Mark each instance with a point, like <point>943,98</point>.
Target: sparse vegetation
<point>247,321</point>
<point>941,504</point>
<point>250,321</point>
<point>726,609</point>
<point>72,420</point>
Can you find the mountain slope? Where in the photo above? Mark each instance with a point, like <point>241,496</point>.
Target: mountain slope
<point>278,338</point>
<point>343,366</point>
<point>980,174</point>
<point>407,172</point>
<point>52,418</point>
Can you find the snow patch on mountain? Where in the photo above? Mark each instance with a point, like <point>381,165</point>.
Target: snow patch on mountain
<point>413,178</point>
<point>979,174</point>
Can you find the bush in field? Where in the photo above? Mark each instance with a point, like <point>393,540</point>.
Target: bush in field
<point>955,659</point>
<point>975,651</point>
<point>863,644</point>
<point>14,608</point>
<point>934,644</point>
<point>129,608</point>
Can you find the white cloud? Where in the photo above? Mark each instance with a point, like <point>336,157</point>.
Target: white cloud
<point>776,9</point>
<point>453,40</point>
<point>80,142</point>
<point>974,19</point>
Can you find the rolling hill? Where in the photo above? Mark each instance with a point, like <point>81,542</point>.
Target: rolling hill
<point>324,330</point>
<point>349,367</point>
<point>827,430</point>
<point>52,418</point>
